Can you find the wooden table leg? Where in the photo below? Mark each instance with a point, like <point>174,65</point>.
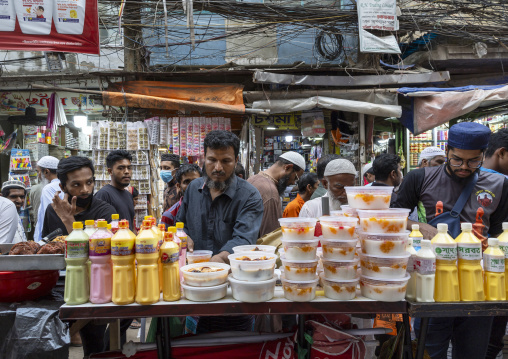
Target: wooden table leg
<point>408,348</point>
<point>77,325</point>
<point>114,335</point>
<point>424,325</point>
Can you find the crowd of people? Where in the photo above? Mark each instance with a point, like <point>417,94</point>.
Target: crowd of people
<point>221,209</point>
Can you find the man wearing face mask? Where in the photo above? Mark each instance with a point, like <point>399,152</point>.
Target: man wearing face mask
<point>46,172</point>
<point>170,163</point>
<point>76,175</point>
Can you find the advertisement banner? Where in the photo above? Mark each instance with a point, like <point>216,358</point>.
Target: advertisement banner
<point>50,25</point>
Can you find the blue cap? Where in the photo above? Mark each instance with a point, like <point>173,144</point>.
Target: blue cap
<point>469,136</point>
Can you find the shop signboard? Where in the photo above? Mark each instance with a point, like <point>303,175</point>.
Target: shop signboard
<point>377,15</point>
<point>50,25</point>
<point>288,121</point>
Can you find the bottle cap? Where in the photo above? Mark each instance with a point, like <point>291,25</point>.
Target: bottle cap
<point>162,227</point>
<point>89,222</point>
<point>466,226</point>
<point>425,243</point>
<point>179,225</point>
<point>505,226</point>
<point>172,229</point>
<point>147,218</point>
<point>109,226</point>
<point>123,224</point>
<point>147,223</point>
<point>102,224</point>
<point>442,227</point>
<point>77,225</point>
<point>415,227</point>
<point>115,216</point>
<point>168,236</point>
<point>493,241</point>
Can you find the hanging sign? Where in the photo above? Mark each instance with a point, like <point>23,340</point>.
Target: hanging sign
<point>50,25</point>
<point>377,15</point>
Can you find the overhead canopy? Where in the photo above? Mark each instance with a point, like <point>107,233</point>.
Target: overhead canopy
<point>302,104</point>
<point>177,96</point>
<point>431,107</point>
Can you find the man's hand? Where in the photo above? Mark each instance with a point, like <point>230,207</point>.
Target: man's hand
<point>190,244</point>
<point>64,209</point>
<point>222,257</point>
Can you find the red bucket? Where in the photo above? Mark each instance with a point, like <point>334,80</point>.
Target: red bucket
<point>26,285</point>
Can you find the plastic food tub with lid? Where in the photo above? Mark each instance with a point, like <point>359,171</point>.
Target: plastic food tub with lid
<point>384,267</point>
<point>384,244</point>
<point>392,220</point>
<point>205,294</point>
<point>199,256</point>
<point>348,211</point>
<point>299,291</point>
<point>299,270</point>
<point>344,289</point>
<point>254,248</point>
<point>339,250</point>
<point>334,227</point>
<point>205,274</point>
<point>300,250</point>
<point>340,270</point>
<point>386,290</point>
<point>252,292</point>
<point>252,267</point>
<point>369,197</point>
<point>298,228</point>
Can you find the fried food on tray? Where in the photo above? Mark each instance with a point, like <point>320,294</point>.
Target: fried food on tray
<point>52,248</point>
<point>24,248</point>
<point>59,239</point>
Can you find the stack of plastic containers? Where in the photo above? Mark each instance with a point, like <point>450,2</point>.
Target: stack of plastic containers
<point>299,261</point>
<point>383,239</point>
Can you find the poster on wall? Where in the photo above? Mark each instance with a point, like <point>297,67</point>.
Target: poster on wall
<point>50,25</point>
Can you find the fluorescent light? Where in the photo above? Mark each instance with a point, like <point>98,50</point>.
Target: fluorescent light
<point>318,138</point>
<point>271,128</point>
<point>289,138</point>
<point>80,120</point>
<point>87,130</point>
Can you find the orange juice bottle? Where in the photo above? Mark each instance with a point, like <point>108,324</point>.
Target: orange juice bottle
<point>122,255</point>
<point>469,253</point>
<point>494,264</point>
<point>447,278</point>
<point>503,245</point>
<point>147,291</point>
<point>169,255</point>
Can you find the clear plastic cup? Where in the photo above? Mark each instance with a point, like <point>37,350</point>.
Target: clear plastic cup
<point>384,267</point>
<point>384,221</point>
<point>298,228</point>
<point>384,244</point>
<point>299,291</point>
<point>205,294</point>
<point>205,274</point>
<point>348,211</point>
<point>252,267</point>
<point>339,270</point>
<point>344,289</point>
<point>369,197</point>
<point>338,227</point>
<point>299,270</point>
<point>386,290</point>
<point>300,250</point>
<point>254,248</point>
<point>199,256</point>
<point>339,250</point>
<point>252,292</point>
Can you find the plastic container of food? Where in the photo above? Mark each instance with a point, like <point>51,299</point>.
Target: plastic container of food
<point>348,211</point>
<point>384,244</point>
<point>299,291</point>
<point>340,289</point>
<point>339,250</point>
<point>205,294</point>
<point>205,274</point>
<point>386,290</point>
<point>384,267</point>
<point>369,197</point>
<point>300,250</point>
<point>199,256</point>
<point>298,228</point>
<point>252,267</point>
<point>340,270</point>
<point>299,270</point>
<point>392,220</point>
<point>338,227</point>
<point>252,292</point>
<point>336,214</point>
<point>254,248</point>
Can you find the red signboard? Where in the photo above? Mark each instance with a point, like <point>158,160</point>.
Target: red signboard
<point>50,25</point>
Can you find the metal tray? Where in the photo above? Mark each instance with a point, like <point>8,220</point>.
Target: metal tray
<point>29,262</point>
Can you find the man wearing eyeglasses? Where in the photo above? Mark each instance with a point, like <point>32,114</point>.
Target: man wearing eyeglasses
<point>465,151</point>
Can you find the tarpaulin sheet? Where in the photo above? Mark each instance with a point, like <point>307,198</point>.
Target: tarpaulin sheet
<point>177,96</point>
<point>430,108</point>
<point>302,104</point>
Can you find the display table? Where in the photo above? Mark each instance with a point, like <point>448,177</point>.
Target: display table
<point>230,306</point>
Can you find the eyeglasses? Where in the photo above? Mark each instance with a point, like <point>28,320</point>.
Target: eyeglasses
<point>457,162</point>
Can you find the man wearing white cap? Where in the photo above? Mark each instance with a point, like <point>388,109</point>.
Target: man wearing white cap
<point>46,171</point>
<point>15,192</point>
<point>339,173</point>
<point>432,157</point>
<point>271,185</point>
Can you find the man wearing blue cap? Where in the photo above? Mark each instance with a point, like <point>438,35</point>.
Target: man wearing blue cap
<point>460,175</point>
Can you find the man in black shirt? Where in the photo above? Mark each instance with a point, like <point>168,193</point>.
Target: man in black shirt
<point>115,193</point>
<point>387,172</point>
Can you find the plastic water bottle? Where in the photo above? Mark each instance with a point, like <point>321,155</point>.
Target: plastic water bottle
<point>425,271</point>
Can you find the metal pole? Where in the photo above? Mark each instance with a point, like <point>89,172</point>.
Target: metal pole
<point>408,347</point>
<point>424,325</point>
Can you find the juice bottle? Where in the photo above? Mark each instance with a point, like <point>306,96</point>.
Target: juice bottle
<point>494,264</point>
<point>162,230</point>
<point>122,255</point>
<point>101,279</point>
<point>170,272</point>
<point>417,236</point>
<point>446,288</point>
<point>147,288</point>
<point>77,288</point>
<point>425,268</point>
<point>114,222</point>
<point>469,252</point>
<point>503,245</point>
<point>411,284</point>
<point>180,233</point>
<point>89,230</point>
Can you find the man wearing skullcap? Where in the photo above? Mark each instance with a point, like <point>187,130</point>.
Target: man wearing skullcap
<point>320,171</point>
<point>46,171</point>
<point>467,142</point>
<point>271,184</point>
<point>14,191</point>
<point>368,174</point>
<point>431,157</point>
<point>338,174</point>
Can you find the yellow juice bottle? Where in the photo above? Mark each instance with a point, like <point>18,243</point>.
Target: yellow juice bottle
<point>417,237</point>
<point>122,255</point>
<point>494,265</point>
<point>503,245</point>
<point>469,253</point>
<point>169,255</point>
<point>147,288</point>
<point>447,279</point>
<point>162,229</point>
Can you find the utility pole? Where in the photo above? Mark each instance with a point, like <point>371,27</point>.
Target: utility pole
<point>132,37</point>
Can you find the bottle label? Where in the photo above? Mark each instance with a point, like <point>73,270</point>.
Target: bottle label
<point>470,251</point>
<point>147,246</point>
<point>417,242</point>
<point>169,258</point>
<point>445,251</point>
<point>504,249</point>
<point>76,249</point>
<point>425,266</point>
<point>411,264</point>
<point>122,248</point>
<point>493,263</point>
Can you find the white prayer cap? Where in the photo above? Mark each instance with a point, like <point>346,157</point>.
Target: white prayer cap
<point>431,152</point>
<point>340,166</point>
<point>13,184</point>
<point>49,162</point>
<point>295,158</point>
<point>365,168</point>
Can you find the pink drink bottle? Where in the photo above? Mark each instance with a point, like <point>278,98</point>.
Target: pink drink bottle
<point>101,281</point>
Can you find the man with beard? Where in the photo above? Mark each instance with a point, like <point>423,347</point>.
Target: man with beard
<point>271,184</point>
<point>467,142</point>
<point>320,171</point>
<point>387,172</point>
<point>338,174</point>
<point>46,172</point>
<point>115,193</point>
